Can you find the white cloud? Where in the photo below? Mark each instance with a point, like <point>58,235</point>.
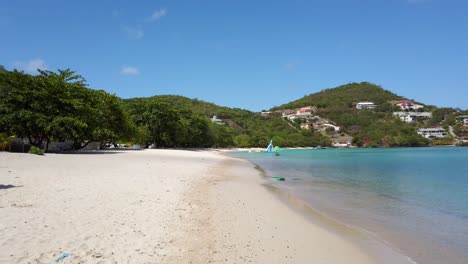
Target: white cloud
<point>127,70</point>
<point>31,66</point>
<point>136,33</point>
<point>158,14</point>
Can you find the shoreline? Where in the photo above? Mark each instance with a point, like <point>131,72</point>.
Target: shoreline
<point>279,218</point>
<point>376,247</point>
<point>310,148</point>
<point>164,206</point>
<point>380,238</point>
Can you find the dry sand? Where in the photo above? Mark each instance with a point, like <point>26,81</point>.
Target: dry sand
<point>153,206</point>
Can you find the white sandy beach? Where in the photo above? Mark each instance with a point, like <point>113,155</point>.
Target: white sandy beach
<point>153,206</point>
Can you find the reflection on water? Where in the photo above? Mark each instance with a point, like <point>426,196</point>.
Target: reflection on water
<point>415,198</point>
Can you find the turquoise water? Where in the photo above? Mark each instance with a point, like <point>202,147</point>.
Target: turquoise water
<point>414,199</point>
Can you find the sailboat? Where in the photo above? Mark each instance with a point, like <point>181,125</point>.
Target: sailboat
<point>269,149</point>
<point>272,149</point>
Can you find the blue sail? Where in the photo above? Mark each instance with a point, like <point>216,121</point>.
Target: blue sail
<point>270,147</point>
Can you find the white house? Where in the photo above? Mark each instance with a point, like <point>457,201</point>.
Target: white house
<point>365,105</point>
<point>336,128</point>
<point>216,120</point>
<point>341,144</point>
<point>463,119</point>
<point>436,132</point>
<point>410,117</point>
<point>290,117</point>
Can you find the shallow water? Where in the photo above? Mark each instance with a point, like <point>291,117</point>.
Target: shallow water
<point>415,199</point>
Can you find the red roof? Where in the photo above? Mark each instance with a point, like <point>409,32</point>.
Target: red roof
<point>405,102</point>
<point>305,109</point>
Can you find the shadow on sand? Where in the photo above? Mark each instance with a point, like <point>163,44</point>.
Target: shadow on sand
<point>97,152</point>
<point>9,186</point>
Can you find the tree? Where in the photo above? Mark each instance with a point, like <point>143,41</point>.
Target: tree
<point>58,106</point>
<point>21,110</point>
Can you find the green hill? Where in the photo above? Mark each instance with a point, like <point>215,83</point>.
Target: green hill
<point>344,97</point>
<point>376,127</point>
<point>241,128</point>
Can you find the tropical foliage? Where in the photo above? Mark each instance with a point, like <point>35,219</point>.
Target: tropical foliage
<point>176,121</point>
<point>58,106</point>
<point>5,141</point>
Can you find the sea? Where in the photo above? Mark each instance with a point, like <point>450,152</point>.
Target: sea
<point>412,200</point>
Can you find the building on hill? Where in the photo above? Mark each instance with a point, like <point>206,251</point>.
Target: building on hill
<point>290,117</point>
<point>307,125</point>
<point>342,144</point>
<point>463,119</point>
<point>435,132</point>
<point>304,111</point>
<point>289,114</point>
<point>215,119</point>
<point>365,105</point>
<point>411,117</point>
<point>325,126</point>
<point>408,105</point>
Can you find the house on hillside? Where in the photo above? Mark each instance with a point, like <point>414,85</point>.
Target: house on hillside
<point>289,114</point>
<point>408,105</point>
<point>325,126</point>
<point>307,125</point>
<point>411,117</point>
<point>365,105</point>
<point>435,132</point>
<point>215,119</point>
<point>463,120</point>
<point>290,117</point>
<point>341,144</point>
<point>304,111</point>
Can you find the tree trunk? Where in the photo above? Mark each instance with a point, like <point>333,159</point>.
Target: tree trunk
<point>47,145</point>
<point>77,145</point>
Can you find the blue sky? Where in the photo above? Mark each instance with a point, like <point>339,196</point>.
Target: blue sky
<point>247,54</point>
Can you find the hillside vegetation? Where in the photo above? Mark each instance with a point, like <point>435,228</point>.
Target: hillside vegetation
<point>240,128</point>
<point>58,106</point>
<point>343,97</point>
<point>373,127</point>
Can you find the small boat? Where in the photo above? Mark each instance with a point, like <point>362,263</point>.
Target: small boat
<point>278,178</point>
<point>272,149</point>
<point>269,149</point>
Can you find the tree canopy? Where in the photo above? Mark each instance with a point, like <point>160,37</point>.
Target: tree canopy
<point>58,106</point>
<point>241,128</point>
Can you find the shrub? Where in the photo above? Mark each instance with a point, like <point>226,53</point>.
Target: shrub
<point>36,151</point>
<point>5,141</point>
